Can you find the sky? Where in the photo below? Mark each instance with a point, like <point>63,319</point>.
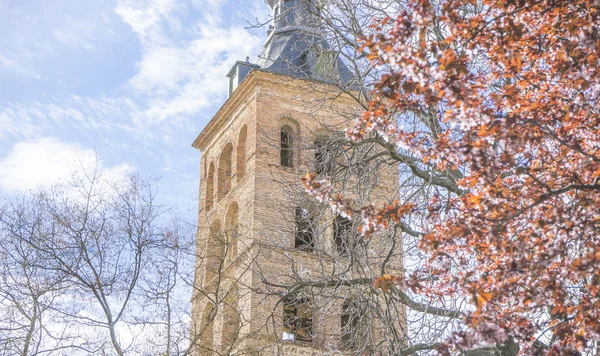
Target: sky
<point>123,85</point>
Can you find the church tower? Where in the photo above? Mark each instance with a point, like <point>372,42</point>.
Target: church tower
<point>260,237</point>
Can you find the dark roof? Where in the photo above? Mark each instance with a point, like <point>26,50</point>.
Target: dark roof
<point>295,45</point>
<point>288,53</point>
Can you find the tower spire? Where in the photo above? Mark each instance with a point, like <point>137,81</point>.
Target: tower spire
<point>301,14</point>
<point>296,46</point>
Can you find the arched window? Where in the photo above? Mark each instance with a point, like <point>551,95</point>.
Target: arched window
<point>224,181</point>
<point>342,229</point>
<point>297,320</point>
<point>304,239</point>
<point>241,153</point>
<point>352,333</point>
<point>210,181</point>
<point>232,232</point>
<point>323,156</point>
<point>287,146</point>
<point>231,321</point>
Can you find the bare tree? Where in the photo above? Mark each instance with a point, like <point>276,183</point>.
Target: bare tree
<point>94,267</point>
<point>165,292</point>
<point>27,292</point>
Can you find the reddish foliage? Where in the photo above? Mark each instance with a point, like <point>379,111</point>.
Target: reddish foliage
<point>517,84</point>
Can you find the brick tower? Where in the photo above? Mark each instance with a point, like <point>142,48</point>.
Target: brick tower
<point>258,232</point>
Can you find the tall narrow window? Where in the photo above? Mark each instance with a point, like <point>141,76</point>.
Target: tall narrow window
<point>323,157</point>
<point>224,181</point>
<point>304,230</point>
<point>350,324</point>
<point>342,229</point>
<point>286,148</point>
<point>210,181</point>
<point>241,154</point>
<point>297,320</point>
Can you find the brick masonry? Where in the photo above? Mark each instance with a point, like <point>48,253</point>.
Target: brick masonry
<point>233,260</point>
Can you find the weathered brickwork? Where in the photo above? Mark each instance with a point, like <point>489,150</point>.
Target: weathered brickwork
<point>245,233</point>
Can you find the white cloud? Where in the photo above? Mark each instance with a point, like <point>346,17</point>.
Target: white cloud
<point>38,34</point>
<point>186,51</point>
<point>181,77</point>
<point>75,33</point>
<point>161,68</point>
<point>9,63</point>
<point>12,65</point>
<point>33,119</point>
<point>49,161</point>
<point>184,80</point>
<point>144,16</point>
<point>18,121</point>
<point>181,72</point>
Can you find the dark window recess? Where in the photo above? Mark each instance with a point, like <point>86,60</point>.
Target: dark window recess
<point>350,325</point>
<point>286,147</point>
<point>304,230</point>
<point>297,320</point>
<point>323,160</point>
<point>342,230</point>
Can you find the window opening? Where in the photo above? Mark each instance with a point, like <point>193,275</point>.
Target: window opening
<point>323,159</point>
<point>286,157</point>
<point>342,229</point>
<point>304,230</point>
<point>297,321</point>
<point>320,63</point>
<point>350,319</point>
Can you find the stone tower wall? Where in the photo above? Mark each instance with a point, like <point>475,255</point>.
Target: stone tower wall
<point>266,197</point>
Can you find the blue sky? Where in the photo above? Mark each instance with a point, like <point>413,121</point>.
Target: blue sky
<point>134,81</point>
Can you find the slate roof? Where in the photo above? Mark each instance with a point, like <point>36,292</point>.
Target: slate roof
<point>288,46</point>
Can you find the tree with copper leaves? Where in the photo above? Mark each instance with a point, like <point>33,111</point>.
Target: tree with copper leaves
<point>507,93</point>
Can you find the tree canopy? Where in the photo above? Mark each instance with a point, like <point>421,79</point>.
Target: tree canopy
<point>511,90</point>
